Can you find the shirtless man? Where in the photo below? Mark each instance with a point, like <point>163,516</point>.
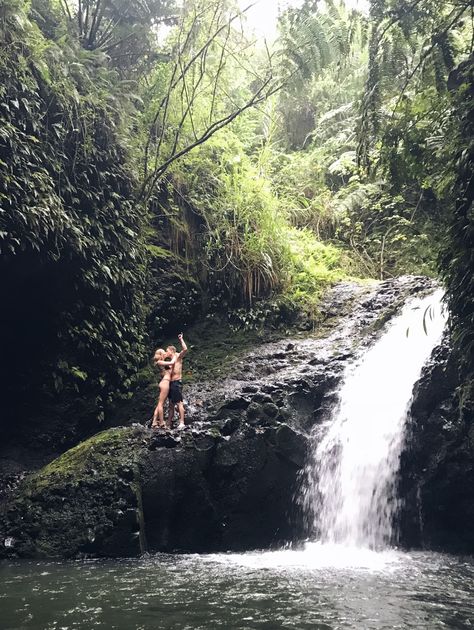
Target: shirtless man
<point>175,395</point>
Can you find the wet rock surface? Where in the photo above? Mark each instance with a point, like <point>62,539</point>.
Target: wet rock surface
<point>437,467</point>
<point>131,490</point>
<point>295,380</point>
<point>229,479</point>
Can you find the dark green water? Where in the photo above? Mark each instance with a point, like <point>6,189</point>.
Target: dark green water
<point>318,588</point>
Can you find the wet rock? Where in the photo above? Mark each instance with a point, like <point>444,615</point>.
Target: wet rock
<point>254,413</point>
<point>163,438</point>
<point>230,426</point>
<point>292,446</point>
<point>270,409</point>
<point>249,389</point>
<point>437,465</point>
<point>262,398</point>
<point>236,404</point>
<point>151,495</point>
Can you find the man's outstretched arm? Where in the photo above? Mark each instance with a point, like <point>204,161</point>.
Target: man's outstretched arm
<point>184,347</point>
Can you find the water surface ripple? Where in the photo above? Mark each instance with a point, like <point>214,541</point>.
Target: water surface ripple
<point>319,587</point>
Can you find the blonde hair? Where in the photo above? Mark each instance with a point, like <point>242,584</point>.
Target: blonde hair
<point>173,348</point>
<point>161,354</point>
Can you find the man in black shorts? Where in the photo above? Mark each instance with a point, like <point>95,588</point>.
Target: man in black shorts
<point>175,395</point>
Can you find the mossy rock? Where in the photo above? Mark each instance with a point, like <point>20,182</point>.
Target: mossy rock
<point>86,501</point>
<point>131,490</point>
<point>174,296</point>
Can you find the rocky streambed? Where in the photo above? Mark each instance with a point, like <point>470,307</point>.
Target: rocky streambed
<point>229,480</point>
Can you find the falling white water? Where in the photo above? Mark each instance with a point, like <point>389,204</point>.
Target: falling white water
<point>351,493</point>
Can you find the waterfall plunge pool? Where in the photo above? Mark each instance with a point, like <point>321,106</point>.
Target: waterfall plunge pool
<point>322,587</point>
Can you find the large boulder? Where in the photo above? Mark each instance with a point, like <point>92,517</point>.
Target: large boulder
<point>86,500</point>
<point>131,490</point>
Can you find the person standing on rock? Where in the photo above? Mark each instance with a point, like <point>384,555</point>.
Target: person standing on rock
<point>175,395</point>
<point>165,362</point>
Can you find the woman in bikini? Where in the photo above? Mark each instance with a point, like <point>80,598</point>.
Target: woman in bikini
<point>166,369</point>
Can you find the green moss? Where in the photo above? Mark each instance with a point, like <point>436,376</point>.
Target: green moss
<point>82,501</point>
<point>214,432</point>
<point>215,346</point>
<point>159,252</point>
<point>99,453</point>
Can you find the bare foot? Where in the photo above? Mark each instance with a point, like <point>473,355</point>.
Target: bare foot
<point>155,425</point>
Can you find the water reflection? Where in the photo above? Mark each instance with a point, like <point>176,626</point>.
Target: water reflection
<point>318,587</point>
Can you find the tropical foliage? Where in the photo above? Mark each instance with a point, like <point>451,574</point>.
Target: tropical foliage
<point>70,238</point>
<point>157,163</point>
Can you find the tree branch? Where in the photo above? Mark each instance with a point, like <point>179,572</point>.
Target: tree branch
<point>259,96</point>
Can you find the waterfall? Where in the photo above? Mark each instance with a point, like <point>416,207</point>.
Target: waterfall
<point>350,493</point>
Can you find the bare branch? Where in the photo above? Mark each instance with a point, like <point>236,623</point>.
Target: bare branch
<point>259,96</point>
<point>79,15</point>
<point>98,9</point>
<point>107,32</point>
<point>65,8</point>
<point>164,105</point>
<point>117,42</point>
<point>86,21</point>
<point>209,41</point>
<point>187,76</point>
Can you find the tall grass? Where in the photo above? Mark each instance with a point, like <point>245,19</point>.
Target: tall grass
<point>248,240</point>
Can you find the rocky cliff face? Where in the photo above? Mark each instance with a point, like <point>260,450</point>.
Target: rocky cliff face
<point>229,480</point>
<point>437,468</point>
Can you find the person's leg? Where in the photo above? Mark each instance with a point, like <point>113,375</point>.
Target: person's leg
<point>172,403</point>
<point>160,410</point>
<point>154,422</point>
<point>158,416</point>
<point>180,406</point>
<point>170,413</point>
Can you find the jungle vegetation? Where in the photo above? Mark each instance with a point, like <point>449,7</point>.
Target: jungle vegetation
<point>158,163</point>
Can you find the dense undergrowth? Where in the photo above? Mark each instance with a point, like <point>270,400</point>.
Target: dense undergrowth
<point>72,260</point>
<point>149,180</point>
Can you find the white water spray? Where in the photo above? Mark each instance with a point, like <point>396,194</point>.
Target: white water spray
<point>351,493</point>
